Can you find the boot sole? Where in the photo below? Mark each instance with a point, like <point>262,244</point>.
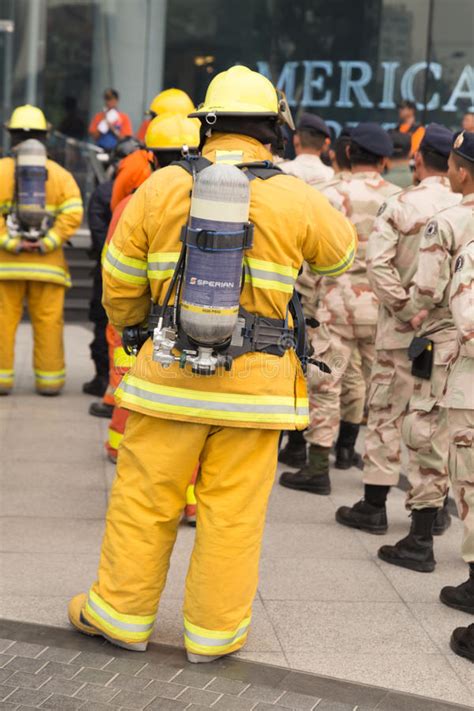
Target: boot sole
<point>409,565</point>
<point>376,530</point>
<point>320,492</point>
<point>462,608</point>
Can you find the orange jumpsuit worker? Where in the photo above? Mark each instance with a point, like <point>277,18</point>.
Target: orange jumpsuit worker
<point>230,420</point>
<point>35,271</point>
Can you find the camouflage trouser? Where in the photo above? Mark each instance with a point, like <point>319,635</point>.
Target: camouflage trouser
<point>325,390</point>
<point>354,390</point>
<point>461,472</point>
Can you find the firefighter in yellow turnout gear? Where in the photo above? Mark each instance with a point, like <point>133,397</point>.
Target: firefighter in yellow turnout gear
<point>34,269</point>
<point>231,420</point>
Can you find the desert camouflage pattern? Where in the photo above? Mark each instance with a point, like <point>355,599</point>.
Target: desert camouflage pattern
<point>354,390</point>
<point>392,254</point>
<point>349,299</point>
<point>309,168</point>
<point>326,407</point>
<point>444,237</point>
<point>460,396</point>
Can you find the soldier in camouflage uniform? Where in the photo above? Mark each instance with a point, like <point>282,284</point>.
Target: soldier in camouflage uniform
<point>392,258</point>
<point>346,311</point>
<point>460,401</point>
<point>311,137</point>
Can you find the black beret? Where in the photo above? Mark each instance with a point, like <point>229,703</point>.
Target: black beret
<point>311,122</point>
<point>372,137</point>
<point>464,145</point>
<point>438,138</point>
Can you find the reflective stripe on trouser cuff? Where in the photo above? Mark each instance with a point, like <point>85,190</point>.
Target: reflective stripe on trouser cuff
<point>6,379</point>
<point>134,628</point>
<point>218,406</point>
<point>114,438</point>
<point>190,496</point>
<point>50,378</point>
<point>203,641</point>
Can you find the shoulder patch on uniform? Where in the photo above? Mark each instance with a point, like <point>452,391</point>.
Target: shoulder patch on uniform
<point>381,209</point>
<point>431,228</point>
<point>459,263</point>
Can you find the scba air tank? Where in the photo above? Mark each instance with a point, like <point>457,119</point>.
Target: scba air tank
<point>30,178</point>
<point>219,214</point>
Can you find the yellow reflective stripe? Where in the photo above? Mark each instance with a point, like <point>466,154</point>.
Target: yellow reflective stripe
<point>230,157</point>
<point>133,627</point>
<point>161,265</point>
<point>212,405</point>
<point>190,495</point>
<point>122,359</point>
<point>35,272</point>
<point>208,309</point>
<point>52,377</point>
<point>71,205</point>
<point>5,206</point>
<point>124,268</point>
<point>115,438</point>
<point>212,641</point>
<point>4,237</point>
<point>52,238</point>
<point>270,275</point>
<point>341,266</point>
<point>263,265</point>
<point>268,284</point>
<point>6,376</point>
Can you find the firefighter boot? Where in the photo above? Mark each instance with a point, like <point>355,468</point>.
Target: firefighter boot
<point>462,642</point>
<point>97,386</point>
<point>294,453</point>
<point>369,514</point>
<point>442,520</point>
<point>462,596</point>
<point>101,409</point>
<point>415,551</point>
<point>314,476</point>
<point>77,618</point>
<point>346,456</point>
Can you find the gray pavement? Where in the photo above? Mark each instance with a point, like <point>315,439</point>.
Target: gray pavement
<point>325,603</point>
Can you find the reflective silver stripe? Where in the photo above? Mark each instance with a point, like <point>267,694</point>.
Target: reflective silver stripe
<point>210,405</point>
<point>61,376</point>
<point>22,267</point>
<point>270,276</point>
<point>212,642</point>
<point>161,266</point>
<point>125,268</point>
<point>127,626</point>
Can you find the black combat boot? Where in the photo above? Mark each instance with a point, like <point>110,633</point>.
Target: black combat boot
<point>462,642</point>
<point>294,452</point>
<point>414,552</point>
<point>101,409</point>
<point>346,456</point>
<point>369,514</point>
<point>462,596</point>
<point>314,476</point>
<point>442,520</point>
<point>97,386</point>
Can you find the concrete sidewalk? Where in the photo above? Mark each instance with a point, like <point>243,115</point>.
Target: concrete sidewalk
<point>325,604</point>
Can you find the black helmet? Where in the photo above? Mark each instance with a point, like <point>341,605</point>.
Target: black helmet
<point>125,146</point>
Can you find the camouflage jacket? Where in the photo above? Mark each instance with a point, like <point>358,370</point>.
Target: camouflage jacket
<point>392,254</point>
<point>349,299</point>
<point>309,168</point>
<point>460,389</point>
<point>444,237</point>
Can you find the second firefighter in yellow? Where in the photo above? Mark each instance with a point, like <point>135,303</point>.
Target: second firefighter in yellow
<point>231,421</point>
<point>38,276</point>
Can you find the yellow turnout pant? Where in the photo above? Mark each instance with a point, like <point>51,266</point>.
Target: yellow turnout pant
<point>45,303</point>
<point>156,461</point>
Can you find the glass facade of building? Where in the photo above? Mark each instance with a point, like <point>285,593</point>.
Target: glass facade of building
<point>347,61</point>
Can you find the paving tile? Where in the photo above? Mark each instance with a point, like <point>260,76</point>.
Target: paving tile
<point>96,693</point>
<point>258,692</point>
<point>401,702</point>
<point>170,705</point>
<point>24,649</point>
<point>127,682</point>
<point>25,680</point>
<point>227,686</point>
<point>49,610</point>
<point>5,644</point>
<point>164,689</point>
<point>97,706</point>
<point>157,671</point>
<point>298,540</point>
<point>94,676</point>
<point>133,699</point>
<point>62,703</point>
<point>66,687</point>
<point>268,707</point>
<point>60,670</point>
<point>42,575</point>
<point>26,664</point>
<point>54,534</point>
<point>5,674</point>
<point>326,705</point>
<point>5,706</point>
<point>28,697</point>
<point>289,506</point>
<point>195,679</point>
<point>58,654</point>
<point>91,659</point>
<point>126,665</point>
<point>301,702</point>
<point>407,582</point>
<point>4,659</point>
<point>233,703</point>
<point>334,689</point>
<point>198,696</point>
<point>439,621</point>
<point>277,659</point>
<point>5,691</point>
